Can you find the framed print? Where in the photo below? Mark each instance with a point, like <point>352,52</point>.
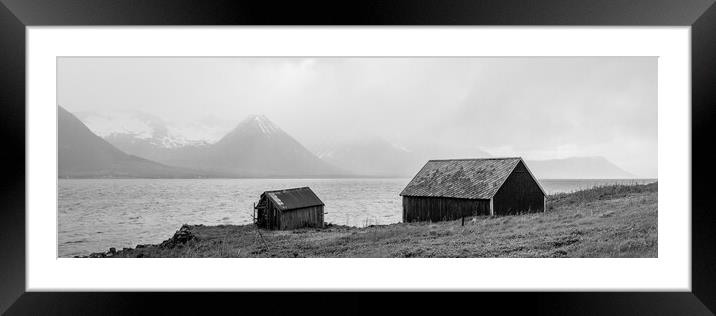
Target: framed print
<point>478,147</point>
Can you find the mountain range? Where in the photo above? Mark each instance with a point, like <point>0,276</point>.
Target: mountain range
<point>577,168</point>
<point>373,157</point>
<point>82,154</point>
<point>377,157</point>
<point>142,146</point>
<point>254,148</point>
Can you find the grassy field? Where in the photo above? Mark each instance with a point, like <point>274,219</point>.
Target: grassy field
<point>609,221</point>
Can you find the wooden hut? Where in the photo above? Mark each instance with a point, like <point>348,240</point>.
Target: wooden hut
<point>289,209</point>
<point>452,189</point>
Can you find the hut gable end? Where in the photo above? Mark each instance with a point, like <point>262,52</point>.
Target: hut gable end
<point>520,193</point>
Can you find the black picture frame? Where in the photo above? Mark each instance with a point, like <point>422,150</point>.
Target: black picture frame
<point>15,15</point>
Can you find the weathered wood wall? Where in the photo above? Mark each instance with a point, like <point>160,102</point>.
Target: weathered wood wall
<point>267,216</point>
<point>303,217</point>
<point>435,209</point>
<point>270,217</point>
<point>519,194</point>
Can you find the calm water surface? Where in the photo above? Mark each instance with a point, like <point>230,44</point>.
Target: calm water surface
<point>95,214</point>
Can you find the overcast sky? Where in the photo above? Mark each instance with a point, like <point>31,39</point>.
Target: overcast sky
<point>537,108</point>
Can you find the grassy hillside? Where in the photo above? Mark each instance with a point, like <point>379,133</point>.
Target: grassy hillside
<point>610,221</point>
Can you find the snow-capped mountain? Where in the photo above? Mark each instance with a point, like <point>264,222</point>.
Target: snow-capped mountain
<point>136,127</point>
<point>256,147</point>
<point>148,136</point>
<point>82,154</point>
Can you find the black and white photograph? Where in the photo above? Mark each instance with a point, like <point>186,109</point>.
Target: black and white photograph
<point>176,156</point>
<point>357,157</point>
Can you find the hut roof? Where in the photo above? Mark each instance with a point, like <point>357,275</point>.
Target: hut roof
<point>462,178</point>
<point>290,199</point>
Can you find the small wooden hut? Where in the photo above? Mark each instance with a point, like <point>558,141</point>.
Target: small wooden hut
<point>452,189</point>
<point>289,209</point>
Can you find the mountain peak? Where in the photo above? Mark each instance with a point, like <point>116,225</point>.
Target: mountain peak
<point>258,147</point>
<point>260,122</point>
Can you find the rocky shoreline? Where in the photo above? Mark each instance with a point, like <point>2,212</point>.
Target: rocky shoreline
<point>180,238</point>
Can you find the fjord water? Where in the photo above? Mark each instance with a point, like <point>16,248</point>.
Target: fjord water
<point>95,214</point>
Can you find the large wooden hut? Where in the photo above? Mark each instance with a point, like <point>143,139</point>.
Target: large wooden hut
<point>452,189</point>
<point>289,209</point>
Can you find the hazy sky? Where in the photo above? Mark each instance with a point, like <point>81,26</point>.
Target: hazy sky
<point>537,108</point>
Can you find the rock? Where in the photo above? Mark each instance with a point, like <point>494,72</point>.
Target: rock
<point>141,255</point>
<point>181,237</point>
<point>113,250</point>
